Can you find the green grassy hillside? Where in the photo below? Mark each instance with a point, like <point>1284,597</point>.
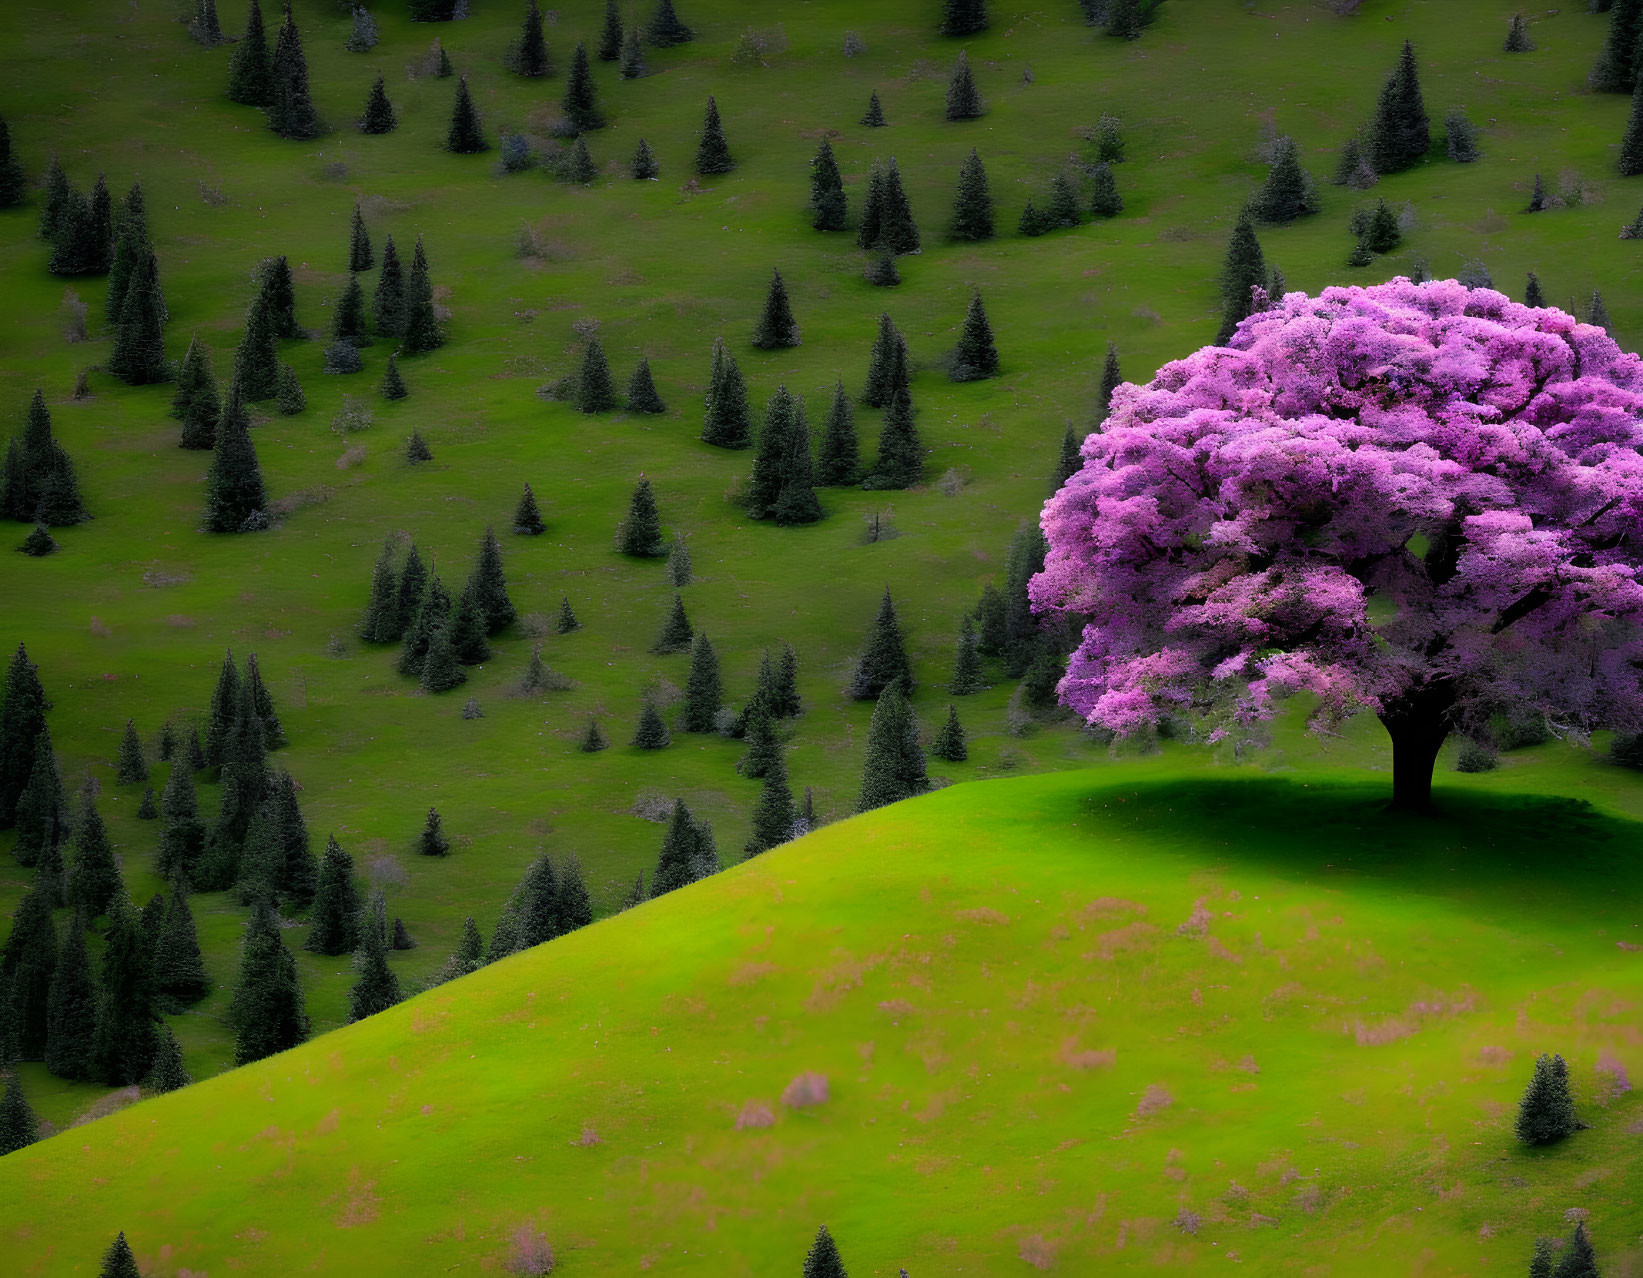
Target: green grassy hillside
<point>1052,1015</point>
<point>131,618</point>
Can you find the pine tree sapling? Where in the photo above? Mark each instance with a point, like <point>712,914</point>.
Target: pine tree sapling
<point>973,205</point>
<point>975,357</point>
<point>776,328</point>
<point>838,454</point>
<point>828,209</point>
<point>378,118</point>
<point>948,743</point>
<point>376,988</point>
<point>466,135</point>
<point>823,1260</point>
<point>1105,201</point>
<point>641,532</point>
<point>527,518</point>
<point>963,98</point>
<point>593,740</point>
<point>1399,135</point>
<point>679,572</point>
<point>874,118</point>
<point>581,103</point>
<point>643,166</point>
<point>651,732</point>
<point>1460,137</point>
<point>595,391</point>
<point>665,30</point>
<point>884,659</point>
<point>676,632</point>
<point>713,152</point>
<point>333,921</point>
<point>726,419</point>
<point>1547,1111</point>
<point>642,396</point>
<point>566,621</point>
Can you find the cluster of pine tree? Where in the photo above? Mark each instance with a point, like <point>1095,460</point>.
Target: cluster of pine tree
<point>277,80</point>
<point>550,901</point>
<point>37,479</point>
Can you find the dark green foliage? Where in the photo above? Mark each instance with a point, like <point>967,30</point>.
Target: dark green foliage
<point>1124,19</point>
<point>887,369</point>
<point>973,205</point>
<point>641,531</point>
<point>838,455</point>
<point>417,450</point>
<point>823,1259</point>
<point>432,841</point>
<point>196,402</point>
<point>1019,629</point>
<point>1461,138</point>
<point>376,988</point>
<point>687,849</point>
<point>633,67</point>
<point>256,360</point>
<point>1533,294</point>
<point>1067,462</point>
<point>27,964</point>
<point>959,18</point>
<point>118,1262</point>
<point>874,119</point>
<point>529,56</point>
<point>393,387</point>
<point>422,331</point>
<point>490,584</point>
<point>643,166</point>
<point>1537,197</point>
<point>881,271</point>
<point>678,563</point>
<point>235,499</point>
<point>963,98</point>
<point>179,968</point>
<point>413,585</point>
<point>676,633</point>
<point>360,256</point>
<point>298,872</point>
<point>884,659</point>
<point>138,356</point>
<point>703,690</point>
<point>168,1073</point>
<point>713,151</point>
<point>783,484</point>
<point>333,922</point>
<point>125,1028</point>
<point>566,621</point>
<point>288,395</point>
<point>527,519</point>
<point>1579,1258</point>
<point>726,420</point>
<point>22,721</point>
<point>1547,1111</point>
<point>399,936</point>
<point>388,304</point>
<point>379,118</point>
<point>1517,35</point>
<point>1631,145</point>
<point>894,767</point>
<point>579,166</point>
<point>1597,313</point>
<point>182,834</point>
<point>651,732</point>
<point>967,677</point>
<point>1399,135</point>
<point>887,221</point>
<point>94,881</point>
<point>593,740</point>
<point>774,812</point>
<point>610,35</point>
<point>42,810</point>
<point>131,249</point>
<point>595,391</point>
<point>250,77</point>
<point>1544,1258</point>
<point>900,463</point>
<point>225,701</point>
<point>204,26</point>
<point>828,208</point>
<point>1244,270</point>
<point>948,743</point>
<point>13,180</point>
<point>1032,222</point>
<point>1617,66</point>
<point>1112,378</point>
<point>440,670</point>
<point>467,632</point>
<point>1353,168</point>
<point>71,1012</point>
<point>776,328</point>
<point>782,697</point>
<point>1288,193</point>
<point>469,954</point>
<point>292,114</point>
<point>130,768</point>
<point>39,543</point>
<point>37,483</point>
<point>18,1125</point>
<point>1061,211</point>
<point>59,194</point>
<point>975,357</point>
<point>665,30</point>
<point>642,396</point>
<point>581,97</point>
<point>466,135</point>
<point>763,746</point>
<point>267,1010</point>
<point>1104,199</point>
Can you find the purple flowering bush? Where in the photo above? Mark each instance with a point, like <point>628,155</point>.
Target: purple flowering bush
<point>1420,501</point>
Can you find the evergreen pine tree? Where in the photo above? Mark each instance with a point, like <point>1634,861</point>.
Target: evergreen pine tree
<point>593,740</point>
<point>138,356</point>
<point>886,366</point>
<point>973,205</point>
<point>610,35</point>
<point>13,180</point>
<point>828,209</point>
<point>256,360</point>
<point>678,562</point>
<point>676,632</point>
<point>642,396</point>
<point>433,612</point>
<point>713,152</point>
<point>579,166</point>
<point>22,721</point>
<point>949,743</point>
<point>1111,379</point>
<point>400,936</point>
<point>894,765</point>
<point>727,420</point>
<point>1288,193</point>
<point>1537,197</point>
<point>348,320</point>
<point>665,30</point>
<point>1032,222</point>
<point>963,98</point>
<point>288,394</point>
<point>975,357</point>
<point>566,621</point>
<point>581,96</point>
<point>132,248</point>
<point>440,670</point>
<point>651,732</point>
<point>1597,313</point>
<point>360,256</point>
<point>388,304</point>
<point>1399,135</point>
<point>413,585</point>
<point>130,767</point>
<point>1617,66</point>
<point>1124,19</point>
<point>1517,35</point>
<point>1245,269</point>
<point>782,694</point>
<point>168,1073</point>
<point>393,385</point>
<point>961,18</point>
<point>18,1125</point>
<point>291,113</point>
<point>897,233</point>
<point>376,989</point>
<point>1631,145</point>
<point>1461,138</point>
<point>881,271</point>
<point>900,462</point>
<point>644,165</point>
<point>838,456</point>
<point>466,635</point>
<point>884,659</point>
<point>530,54</point>
<point>823,1260</point>
<point>1544,1258</point>
<point>774,812</point>
<point>491,584</point>
<point>71,1012</point>
<point>1068,462</point>
<point>1062,211</point>
<point>874,118</point>
<point>42,811</point>
<point>196,401</point>
<point>641,531</point>
<point>776,328</point>
<point>466,135</point>
<point>59,193</point>
<point>179,968</point>
<point>763,745</point>
<point>333,921</point>
<point>505,939</point>
<point>1532,292</point>
<point>680,851</point>
<point>380,624</point>
<point>869,231</point>
<point>703,691</point>
<point>527,519</point>
<point>267,1010</point>
<point>537,904</point>
<point>633,67</point>
<point>250,77</point>
<point>77,246</point>
<point>235,499</point>
<point>38,483</point>
<point>378,118</point>
<point>125,1029</point>
<point>94,880</point>
<point>39,543</point>
<point>764,485</point>
<point>1547,1111</point>
<point>182,834</point>
<point>28,961</point>
<point>432,841</point>
<point>422,332</point>
<point>1579,1257</point>
<point>595,391</point>
<point>967,677</point>
<point>444,70</point>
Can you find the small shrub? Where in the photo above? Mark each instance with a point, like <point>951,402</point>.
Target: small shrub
<point>354,416</point>
<point>73,311</point>
<point>854,45</point>
<point>1627,749</point>
<point>515,154</point>
<point>1476,757</point>
<point>471,709</point>
<point>952,483</point>
<point>808,1089</point>
<point>528,1253</point>
<point>534,625</point>
<point>1188,1221</point>
<point>343,357</point>
<point>756,46</point>
<point>212,195</point>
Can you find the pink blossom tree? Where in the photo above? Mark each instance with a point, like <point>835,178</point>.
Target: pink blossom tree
<point>1421,501</point>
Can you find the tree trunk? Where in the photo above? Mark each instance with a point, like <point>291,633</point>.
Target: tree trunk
<point>1418,726</point>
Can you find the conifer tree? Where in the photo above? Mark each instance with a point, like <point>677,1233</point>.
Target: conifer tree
<point>288,393</point>
<point>22,721</point>
<point>94,880</point>
<point>267,1010</point>
<point>1399,134</point>
<point>376,989</point>
<point>1597,313</point>
<point>132,248</point>
<point>727,420</point>
<point>1124,19</point>
<point>530,54</point>
<point>180,977</point>
<point>894,767</point>
<point>71,1012</point>
<point>527,518</point>
<point>874,118</point>
<point>967,677</point>
<point>975,357</point>
<point>1288,192</point>
<point>291,113</point>
<point>297,872</point>
<point>388,305</point>
<point>703,691</point>
<point>1461,138</point>
<point>256,360</point>
<point>235,498</point>
<point>38,483</point>
<point>838,455</point>
<point>125,1028</point>
<point>433,612</point>
<point>1533,295</point>
<point>973,205</point>
<point>713,152</point>
<point>491,584</point>
<point>782,696</point>
<point>651,733</point>
<point>400,936</point>
<point>138,356</point>
<point>963,98</point>
<point>28,961</point>
<point>949,743</point>
<point>774,812</point>
<point>378,118</point>
<point>633,67</point>
<point>360,256</point>
<point>130,767</point>
<point>776,328</point>
<point>182,834</point>
<point>676,632</point>
<point>828,209</point>
<point>678,562</point>
<point>763,745</point>
<point>42,810</point>
<point>1062,211</point>
<point>1537,197</point>
<point>764,485</point>
<point>333,921</point>
<point>823,1259</point>
<point>581,102</point>
<point>225,701</point>
<point>59,192</point>
<point>894,230</point>
<point>39,543</point>
<point>665,30</point>
<point>196,402</point>
<point>566,621</point>
<point>579,166</point>
<point>74,241</point>
<point>505,939</point>
<point>432,841</point>
<point>680,852</point>
<point>595,391</point>
<point>642,396</point>
<point>537,904</point>
<point>1032,222</point>
<point>641,531</point>
<point>440,671</point>
<point>1617,65</point>
<point>250,77</point>
<point>1111,379</point>
<point>900,462</point>
<point>1245,269</point>
<point>962,18</point>
<point>869,231</point>
<point>466,135</point>
<point>19,1127</point>
<point>466,635</point>
<point>168,1073</point>
<point>1579,1257</point>
<point>593,740</point>
<point>393,384</point>
<point>1631,145</point>
<point>13,180</point>
<point>796,501</point>
<point>884,659</point>
<point>610,35</point>
<point>1068,462</point>
<point>422,331</point>
<point>886,366</point>
<point>643,165</point>
<point>1547,1111</point>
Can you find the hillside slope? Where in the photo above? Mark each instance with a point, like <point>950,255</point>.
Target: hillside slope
<point>1051,1014</point>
